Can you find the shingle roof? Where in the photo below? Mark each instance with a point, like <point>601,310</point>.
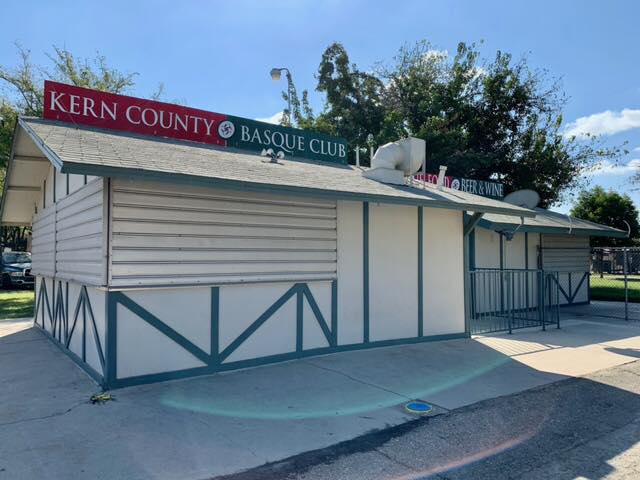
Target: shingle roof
<point>84,150</point>
<point>547,221</point>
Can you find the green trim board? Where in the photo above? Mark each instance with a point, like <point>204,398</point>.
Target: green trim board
<point>214,346</point>
<point>254,362</point>
<point>365,272</point>
<point>301,291</point>
<point>60,334</point>
<point>471,221</point>
<point>111,339</point>
<point>299,320</point>
<point>573,292</point>
<point>334,313</point>
<point>43,297</point>
<point>213,361</point>
<point>59,314</point>
<point>239,340</point>
<point>75,358</point>
<point>121,299</point>
<point>420,271</point>
<point>304,287</point>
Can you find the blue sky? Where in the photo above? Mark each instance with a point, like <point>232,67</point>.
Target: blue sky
<point>216,55</point>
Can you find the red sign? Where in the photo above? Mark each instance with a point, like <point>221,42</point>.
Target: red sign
<point>433,178</point>
<point>147,117</point>
<point>119,112</point>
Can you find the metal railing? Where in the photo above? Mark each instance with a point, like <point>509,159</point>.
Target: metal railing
<point>506,300</point>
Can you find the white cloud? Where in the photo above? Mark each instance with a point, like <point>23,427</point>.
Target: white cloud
<point>275,118</point>
<point>607,167</point>
<point>436,54</point>
<point>604,123</point>
<point>637,149</point>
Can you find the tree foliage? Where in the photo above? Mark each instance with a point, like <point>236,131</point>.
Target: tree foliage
<point>492,120</point>
<point>608,208</point>
<point>24,86</point>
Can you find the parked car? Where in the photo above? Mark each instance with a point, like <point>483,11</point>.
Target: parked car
<point>16,270</point>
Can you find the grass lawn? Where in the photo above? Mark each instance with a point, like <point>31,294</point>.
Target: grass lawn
<point>611,287</point>
<point>16,303</point>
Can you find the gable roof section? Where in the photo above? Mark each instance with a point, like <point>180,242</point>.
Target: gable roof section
<point>547,221</point>
<point>89,151</point>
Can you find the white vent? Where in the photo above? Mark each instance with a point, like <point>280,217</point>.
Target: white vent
<point>397,160</point>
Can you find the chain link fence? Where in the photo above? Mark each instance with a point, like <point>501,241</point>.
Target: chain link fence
<point>614,283</point>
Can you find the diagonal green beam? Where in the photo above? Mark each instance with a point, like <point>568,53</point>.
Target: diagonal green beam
<point>471,223</point>
<point>316,311</point>
<point>159,325</point>
<point>260,320</point>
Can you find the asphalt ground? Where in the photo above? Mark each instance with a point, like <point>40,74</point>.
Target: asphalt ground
<point>577,428</point>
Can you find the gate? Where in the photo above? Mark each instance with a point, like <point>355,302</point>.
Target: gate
<point>505,300</point>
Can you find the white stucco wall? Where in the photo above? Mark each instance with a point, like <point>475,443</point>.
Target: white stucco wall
<point>487,248</point>
<point>142,349</point>
<point>393,271</point>
<point>350,273</point>
<point>241,305</point>
<point>487,254</point>
<point>443,272</point>
<point>515,255</point>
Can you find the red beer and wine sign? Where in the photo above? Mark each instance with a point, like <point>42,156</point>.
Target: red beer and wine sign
<point>84,106</point>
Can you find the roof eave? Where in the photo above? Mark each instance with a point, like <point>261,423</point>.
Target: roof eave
<point>41,144</point>
<point>108,171</point>
<point>581,232</point>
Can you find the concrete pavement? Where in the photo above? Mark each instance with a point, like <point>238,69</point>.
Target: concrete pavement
<point>225,423</point>
<point>579,428</point>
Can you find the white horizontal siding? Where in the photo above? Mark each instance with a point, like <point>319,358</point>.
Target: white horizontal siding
<point>565,253</point>
<point>564,241</point>
<point>79,235</point>
<point>166,234</point>
<point>43,254</point>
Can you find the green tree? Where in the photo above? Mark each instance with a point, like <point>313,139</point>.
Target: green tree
<point>354,107</point>
<point>608,208</point>
<point>498,119</point>
<point>495,119</point>
<point>25,84</point>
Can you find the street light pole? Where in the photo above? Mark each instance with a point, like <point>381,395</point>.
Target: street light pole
<point>276,74</point>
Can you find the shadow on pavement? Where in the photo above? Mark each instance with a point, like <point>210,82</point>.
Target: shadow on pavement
<point>571,429</point>
<point>627,352</point>
<point>220,424</point>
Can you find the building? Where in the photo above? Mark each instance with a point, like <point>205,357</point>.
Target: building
<point>159,258</point>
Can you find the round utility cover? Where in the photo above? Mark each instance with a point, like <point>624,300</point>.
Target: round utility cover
<point>418,407</point>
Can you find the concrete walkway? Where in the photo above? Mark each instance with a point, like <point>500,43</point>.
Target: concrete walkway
<point>221,424</point>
